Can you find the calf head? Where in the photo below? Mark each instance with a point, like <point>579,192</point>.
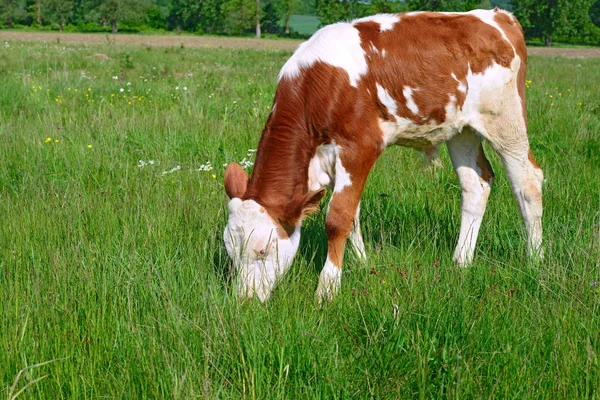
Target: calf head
<point>261,245</point>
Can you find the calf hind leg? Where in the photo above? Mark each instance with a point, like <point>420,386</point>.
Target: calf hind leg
<point>526,178</point>
<point>508,137</point>
<point>475,176</point>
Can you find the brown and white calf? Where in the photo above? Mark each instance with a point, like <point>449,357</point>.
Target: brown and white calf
<point>417,80</point>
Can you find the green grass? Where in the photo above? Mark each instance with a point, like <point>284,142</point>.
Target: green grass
<point>115,275</point>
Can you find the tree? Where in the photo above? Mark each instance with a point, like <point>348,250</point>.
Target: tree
<point>11,11</point>
<point>114,11</point>
<point>257,18</point>
<point>386,6</point>
<point>330,11</point>
<point>286,8</point>
<point>241,16</point>
<point>184,14</point>
<point>212,16</point>
<point>566,20</point>
<point>484,5</point>
<point>595,13</point>
<point>35,10</point>
<point>503,4</point>
<point>59,11</point>
<point>537,17</point>
<point>442,5</point>
<point>271,17</point>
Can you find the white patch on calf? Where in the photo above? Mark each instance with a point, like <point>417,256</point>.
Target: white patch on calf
<point>407,91</point>
<point>326,170</point>
<point>330,281</point>
<point>451,107</point>
<point>337,45</point>
<point>342,177</point>
<point>321,169</point>
<point>461,85</point>
<point>387,100</point>
<point>490,91</point>
<point>386,21</point>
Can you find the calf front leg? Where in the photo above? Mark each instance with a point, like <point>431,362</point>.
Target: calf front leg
<point>356,237</point>
<point>342,219</point>
<point>339,225</point>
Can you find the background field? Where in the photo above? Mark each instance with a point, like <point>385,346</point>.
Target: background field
<point>113,272</point>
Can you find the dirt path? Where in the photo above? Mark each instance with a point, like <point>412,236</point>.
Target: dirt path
<point>152,40</point>
<point>223,42</point>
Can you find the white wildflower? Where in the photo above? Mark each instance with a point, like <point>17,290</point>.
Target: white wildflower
<point>115,77</point>
<point>142,163</point>
<point>121,90</point>
<point>174,169</point>
<point>245,164</point>
<point>206,167</point>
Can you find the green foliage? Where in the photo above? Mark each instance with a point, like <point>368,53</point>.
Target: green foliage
<point>58,12</point>
<point>442,5</point>
<point>484,5</point>
<point>503,4</point>
<point>595,13</point>
<point>11,11</point>
<point>558,20</point>
<point>569,21</point>
<point>113,270</point>
<point>240,16</point>
<point>285,9</point>
<point>330,11</point>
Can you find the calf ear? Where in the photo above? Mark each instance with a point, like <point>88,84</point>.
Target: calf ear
<point>311,202</point>
<point>236,181</point>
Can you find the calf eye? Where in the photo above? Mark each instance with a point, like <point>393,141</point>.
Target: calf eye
<point>261,254</point>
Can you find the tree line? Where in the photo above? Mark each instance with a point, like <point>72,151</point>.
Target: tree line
<point>570,21</point>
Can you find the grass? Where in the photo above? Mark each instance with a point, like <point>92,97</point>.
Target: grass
<point>114,281</point>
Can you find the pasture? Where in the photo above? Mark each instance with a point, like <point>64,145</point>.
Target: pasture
<point>114,281</point>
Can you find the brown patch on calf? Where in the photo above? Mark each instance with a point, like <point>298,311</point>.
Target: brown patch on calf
<point>422,51</point>
<point>487,173</point>
<point>532,160</point>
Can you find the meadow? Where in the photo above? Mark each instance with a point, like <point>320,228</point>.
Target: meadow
<point>115,283</point>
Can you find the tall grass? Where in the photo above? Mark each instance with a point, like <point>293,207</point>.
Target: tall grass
<point>114,281</point>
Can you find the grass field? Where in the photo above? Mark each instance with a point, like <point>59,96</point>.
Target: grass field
<point>114,281</point>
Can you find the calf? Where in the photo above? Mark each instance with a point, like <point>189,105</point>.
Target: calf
<point>417,80</point>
